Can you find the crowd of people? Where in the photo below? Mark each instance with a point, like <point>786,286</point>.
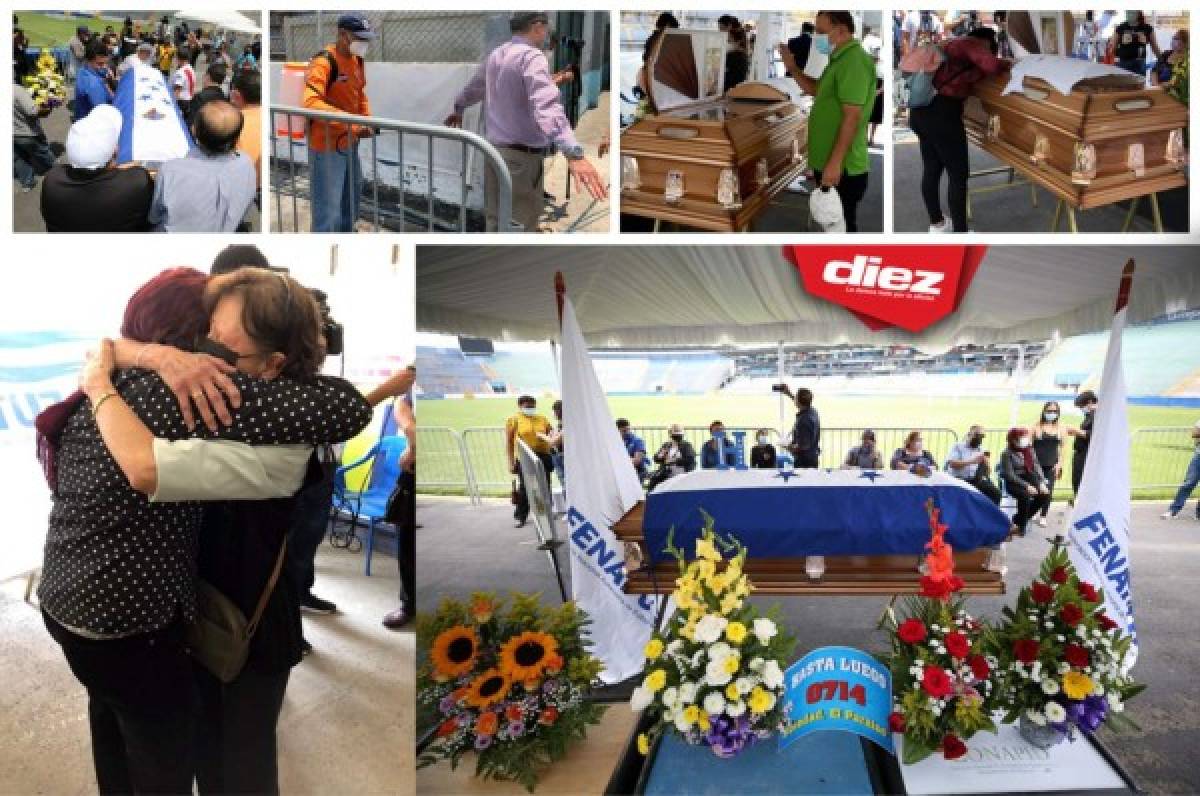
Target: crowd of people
<point>211,189</point>
<point>157,515</point>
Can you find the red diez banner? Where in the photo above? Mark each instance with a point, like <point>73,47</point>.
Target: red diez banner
<point>911,287</point>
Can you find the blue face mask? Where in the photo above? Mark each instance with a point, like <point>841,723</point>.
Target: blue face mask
<point>821,43</point>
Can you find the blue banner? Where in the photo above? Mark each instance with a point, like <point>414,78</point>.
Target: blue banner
<point>837,688</point>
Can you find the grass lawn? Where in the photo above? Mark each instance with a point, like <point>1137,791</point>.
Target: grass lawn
<point>1158,460</point>
<point>52,30</point>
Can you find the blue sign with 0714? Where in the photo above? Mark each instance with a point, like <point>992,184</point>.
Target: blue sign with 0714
<point>838,688</point>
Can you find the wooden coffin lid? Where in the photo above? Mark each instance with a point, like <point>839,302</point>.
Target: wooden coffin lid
<point>673,75</point>
<point>757,91</point>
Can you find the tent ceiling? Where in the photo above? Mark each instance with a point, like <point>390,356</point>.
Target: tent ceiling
<point>666,295</point>
<point>221,18</point>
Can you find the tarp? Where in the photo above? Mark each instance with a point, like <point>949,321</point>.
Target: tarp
<point>669,296</point>
<point>223,19</point>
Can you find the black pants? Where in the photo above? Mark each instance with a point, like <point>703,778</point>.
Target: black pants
<point>142,707</point>
<point>807,460</point>
<point>406,529</point>
<point>1048,472</point>
<point>985,485</point>
<point>943,139</point>
<point>851,189</point>
<point>1027,505</point>
<point>1078,460</point>
<point>310,522</point>
<point>522,511</point>
<point>235,739</point>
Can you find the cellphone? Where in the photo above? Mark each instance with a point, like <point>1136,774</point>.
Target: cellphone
<point>779,388</point>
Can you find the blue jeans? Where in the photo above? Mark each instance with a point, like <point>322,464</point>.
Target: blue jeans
<point>31,157</point>
<point>336,188</point>
<point>1189,483</point>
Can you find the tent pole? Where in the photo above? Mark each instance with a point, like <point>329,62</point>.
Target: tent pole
<point>1018,379</point>
<point>782,379</point>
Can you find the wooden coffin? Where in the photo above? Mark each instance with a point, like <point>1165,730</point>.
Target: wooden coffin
<point>707,159</point>
<point>883,575</point>
<point>1104,142</point>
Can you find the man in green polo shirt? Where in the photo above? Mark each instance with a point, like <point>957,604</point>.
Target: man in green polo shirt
<point>843,98</point>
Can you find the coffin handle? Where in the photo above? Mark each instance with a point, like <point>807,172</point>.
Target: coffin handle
<point>1131,105</point>
<point>678,132</point>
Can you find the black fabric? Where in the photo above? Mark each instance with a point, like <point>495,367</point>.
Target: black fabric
<point>96,200</point>
<point>1050,479</point>
<point>986,486</point>
<point>1081,444</point>
<point>521,513</point>
<point>800,47</point>
<point>737,66</point>
<point>943,141</point>
<point>851,189</point>
<point>142,707</point>
<point>235,747</point>
<point>1134,49</point>
<point>877,106</point>
<point>806,434</point>
<point>1078,461</point>
<point>402,512</point>
<point>1027,505</point>
<point>1046,448</point>
<point>310,522</point>
<point>762,457</point>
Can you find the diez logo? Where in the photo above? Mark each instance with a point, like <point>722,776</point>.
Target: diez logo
<point>909,287</point>
<point>867,271</point>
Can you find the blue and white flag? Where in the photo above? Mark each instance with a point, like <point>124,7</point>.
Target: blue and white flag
<point>153,130</point>
<point>1098,536</point>
<point>601,487</point>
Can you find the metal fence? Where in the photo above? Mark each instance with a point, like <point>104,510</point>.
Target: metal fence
<point>402,36</point>
<point>290,176</point>
<point>475,462</point>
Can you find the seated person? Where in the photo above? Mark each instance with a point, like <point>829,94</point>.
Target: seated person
<point>865,456</point>
<point>675,457</point>
<point>762,455</point>
<point>1023,478</point>
<point>211,189</point>
<point>913,457</point>
<point>710,453</point>
<point>968,461</point>
<point>635,446</point>
<point>89,193</point>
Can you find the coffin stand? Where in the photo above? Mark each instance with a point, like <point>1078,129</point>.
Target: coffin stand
<point>709,160</point>
<point>879,576</point>
<point>1104,142</point>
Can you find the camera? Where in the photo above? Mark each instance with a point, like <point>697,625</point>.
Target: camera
<point>334,332</point>
<point>779,388</point>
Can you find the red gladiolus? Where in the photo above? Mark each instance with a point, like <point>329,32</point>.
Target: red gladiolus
<point>912,631</point>
<point>979,667</point>
<point>952,747</point>
<point>1088,592</point>
<point>896,722</point>
<point>936,682</point>
<point>1026,650</point>
<point>1041,593</point>
<point>1076,655</point>
<point>1071,614</point>
<point>957,644</point>
<point>1059,575</point>
<point>549,716</point>
<point>936,589</point>
<point>447,727</point>
<point>1106,622</point>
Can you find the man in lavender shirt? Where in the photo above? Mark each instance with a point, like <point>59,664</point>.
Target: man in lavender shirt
<point>525,119</point>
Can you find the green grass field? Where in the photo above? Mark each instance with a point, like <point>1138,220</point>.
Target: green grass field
<point>50,30</point>
<point>1159,459</point>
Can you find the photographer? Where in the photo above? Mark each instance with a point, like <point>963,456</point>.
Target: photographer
<point>675,457</point>
<point>971,464</point>
<point>806,433</point>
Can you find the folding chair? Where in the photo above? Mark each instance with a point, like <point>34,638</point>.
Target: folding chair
<point>369,503</point>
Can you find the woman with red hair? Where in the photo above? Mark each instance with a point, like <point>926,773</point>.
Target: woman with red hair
<point>1023,478</point>
<point>119,576</point>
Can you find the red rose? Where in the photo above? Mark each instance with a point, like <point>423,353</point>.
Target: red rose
<point>1076,655</point>
<point>912,631</point>
<point>979,667</point>
<point>957,644</point>
<point>1106,622</point>
<point>447,727</point>
<point>1059,575</point>
<point>1041,593</point>
<point>952,747</point>
<point>1071,614</point>
<point>549,716</point>
<point>956,583</point>
<point>935,589</point>
<point>896,722</point>
<point>1026,650</point>
<point>936,682</point>
<point>1088,592</point>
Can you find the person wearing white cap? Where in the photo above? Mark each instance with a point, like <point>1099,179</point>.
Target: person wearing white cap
<point>89,193</point>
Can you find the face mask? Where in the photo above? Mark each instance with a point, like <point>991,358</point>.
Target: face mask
<point>529,411</point>
<point>762,439</point>
<point>677,437</point>
<point>359,48</point>
<point>1050,416</point>
<point>821,43</point>
<point>1024,442</point>
<point>207,345</point>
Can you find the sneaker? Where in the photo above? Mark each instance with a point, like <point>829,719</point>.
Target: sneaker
<point>997,561</point>
<point>1168,515</point>
<point>939,229</point>
<point>1041,521</point>
<point>396,619</point>
<point>798,186</point>
<point>315,604</point>
<point>521,522</point>
<point>305,647</point>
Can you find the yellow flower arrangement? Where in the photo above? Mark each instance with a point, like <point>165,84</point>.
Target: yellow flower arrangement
<point>654,648</point>
<point>488,688</point>
<point>691,714</point>
<point>524,657</point>
<point>760,701</point>
<point>707,550</point>
<point>735,632</point>
<point>732,693</point>
<point>1076,685</point>
<point>453,651</point>
<point>656,680</point>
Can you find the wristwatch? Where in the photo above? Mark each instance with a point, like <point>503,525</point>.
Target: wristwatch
<point>573,152</point>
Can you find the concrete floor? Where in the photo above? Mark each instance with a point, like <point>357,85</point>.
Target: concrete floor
<point>347,722</point>
<point>1011,209</point>
<point>489,553</point>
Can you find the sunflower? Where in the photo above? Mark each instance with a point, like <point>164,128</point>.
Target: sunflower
<point>525,656</point>
<point>454,650</point>
<point>488,688</point>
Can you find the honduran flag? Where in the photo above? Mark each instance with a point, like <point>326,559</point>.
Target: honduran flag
<point>1098,535</point>
<point>153,129</point>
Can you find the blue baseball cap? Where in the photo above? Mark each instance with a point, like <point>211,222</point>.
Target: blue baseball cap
<point>357,24</point>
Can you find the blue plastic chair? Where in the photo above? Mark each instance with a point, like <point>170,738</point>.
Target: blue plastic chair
<point>370,504</point>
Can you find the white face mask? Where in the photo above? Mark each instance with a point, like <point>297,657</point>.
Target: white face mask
<point>1024,442</point>
<point>762,439</point>
<point>359,48</point>
<point>529,411</point>
<point>1051,417</point>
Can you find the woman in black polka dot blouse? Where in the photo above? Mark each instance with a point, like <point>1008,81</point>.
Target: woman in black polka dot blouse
<point>118,582</point>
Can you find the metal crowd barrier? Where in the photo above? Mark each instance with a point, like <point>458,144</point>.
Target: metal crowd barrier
<point>287,181</point>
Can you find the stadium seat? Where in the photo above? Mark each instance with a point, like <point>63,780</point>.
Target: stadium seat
<point>369,504</point>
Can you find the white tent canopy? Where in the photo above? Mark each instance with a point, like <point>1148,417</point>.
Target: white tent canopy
<point>665,296</point>
<point>221,18</point>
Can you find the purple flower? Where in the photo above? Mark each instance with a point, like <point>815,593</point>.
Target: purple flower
<point>482,742</point>
<point>1095,708</point>
<point>550,686</point>
<point>447,704</point>
<point>728,736</point>
<point>516,729</point>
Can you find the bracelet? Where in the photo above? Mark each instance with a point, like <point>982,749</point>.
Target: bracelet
<point>96,406</point>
